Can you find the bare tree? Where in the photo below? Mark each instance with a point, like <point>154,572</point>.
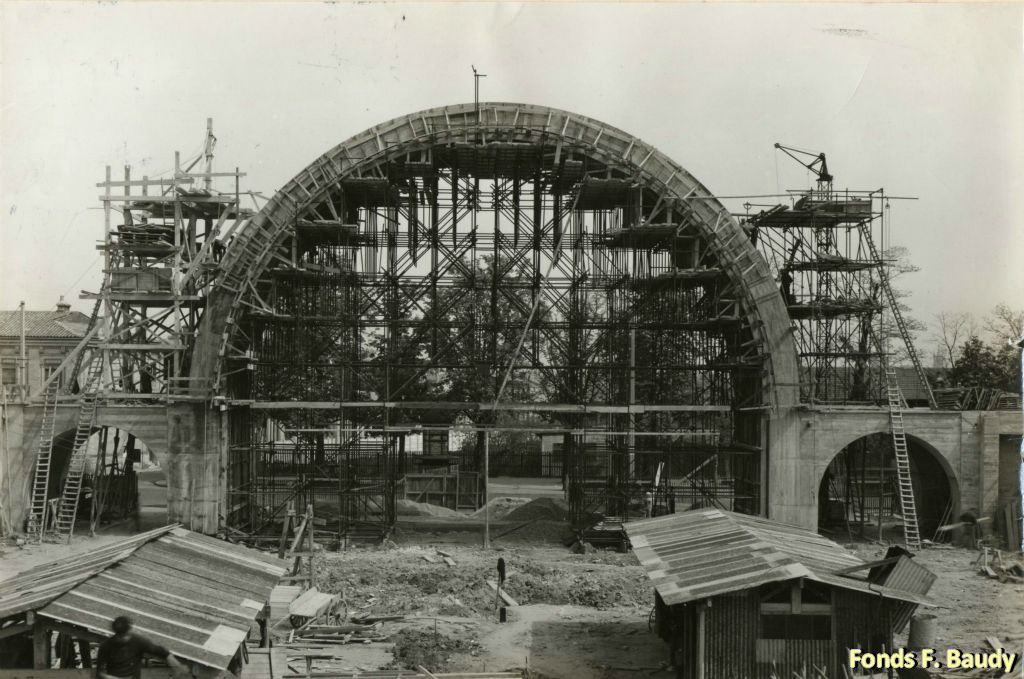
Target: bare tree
<point>1004,323</point>
<point>952,330</point>
<point>899,265</point>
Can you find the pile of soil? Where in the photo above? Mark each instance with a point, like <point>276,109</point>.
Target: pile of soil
<point>500,507</point>
<point>404,582</point>
<point>410,508</point>
<point>580,585</point>
<point>414,579</point>
<point>541,509</point>
<point>431,650</point>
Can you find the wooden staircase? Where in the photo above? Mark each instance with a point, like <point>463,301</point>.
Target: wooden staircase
<point>37,515</point>
<point>911,531</point>
<point>68,508</point>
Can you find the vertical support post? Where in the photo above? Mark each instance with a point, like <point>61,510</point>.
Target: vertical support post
<point>84,653</point>
<point>701,625</point>
<point>176,276</point>
<point>632,401</point>
<point>762,470</point>
<point>108,307</point>
<point>487,496</point>
<point>310,530</point>
<point>22,356</point>
<point>288,520</point>
<point>40,643</point>
<point>881,495</point>
<point>208,152</point>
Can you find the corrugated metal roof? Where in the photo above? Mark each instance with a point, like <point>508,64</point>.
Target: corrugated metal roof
<point>703,553</point>
<point>193,594</point>
<point>44,324</point>
<point>909,576</point>
<point>910,383</point>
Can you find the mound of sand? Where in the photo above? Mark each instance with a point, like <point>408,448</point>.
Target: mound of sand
<point>500,507</point>
<point>541,509</point>
<point>410,508</point>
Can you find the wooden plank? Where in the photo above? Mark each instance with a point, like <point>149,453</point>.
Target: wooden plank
<point>99,621</point>
<point>509,601</point>
<point>239,557</point>
<point>12,630</point>
<point>142,580</point>
<point>147,673</point>
<point>195,604</point>
<point>637,409</point>
<point>157,607</point>
<point>193,571</point>
<point>169,199</point>
<point>145,618</point>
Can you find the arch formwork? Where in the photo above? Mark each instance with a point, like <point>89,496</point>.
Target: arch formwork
<point>385,290</point>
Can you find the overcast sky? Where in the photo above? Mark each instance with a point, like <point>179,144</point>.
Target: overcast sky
<point>923,100</point>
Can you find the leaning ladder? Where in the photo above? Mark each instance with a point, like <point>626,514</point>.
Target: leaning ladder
<point>911,532</point>
<point>44,456</point>
<point>901,325</point>
<point>81,352</point>
<point>76,466</point>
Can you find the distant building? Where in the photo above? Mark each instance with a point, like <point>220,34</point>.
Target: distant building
<point>34,343</point>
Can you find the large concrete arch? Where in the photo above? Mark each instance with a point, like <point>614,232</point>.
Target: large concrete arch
<point>251,251</point>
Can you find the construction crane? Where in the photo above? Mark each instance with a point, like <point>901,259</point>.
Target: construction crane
<point>819,166</point>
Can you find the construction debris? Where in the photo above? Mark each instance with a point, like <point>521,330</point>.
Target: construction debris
<point>992,564</point>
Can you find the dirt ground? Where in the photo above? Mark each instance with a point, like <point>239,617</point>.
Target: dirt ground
<point>580,615</point>
<point>973,606</point>
<point>15,558</point>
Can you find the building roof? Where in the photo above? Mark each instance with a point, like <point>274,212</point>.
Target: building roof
<point>44,324</point>
<point>706,552</point>
<point>911,386</point>
<point>193,594</point>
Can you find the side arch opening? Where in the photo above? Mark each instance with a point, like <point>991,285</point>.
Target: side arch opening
<point>858,495</point>
<point>123,480</point>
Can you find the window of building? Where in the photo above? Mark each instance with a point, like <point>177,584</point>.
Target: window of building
<point>49,367</point>
<point>9,371</point>
<point>796,626</point>
<point>796,610</point>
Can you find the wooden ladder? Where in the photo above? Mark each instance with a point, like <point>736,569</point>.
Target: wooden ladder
<point>911,532</point>
<point>68,507</point>
<point>37,514</point>
<point>93,319</point>
<point>901,325</point>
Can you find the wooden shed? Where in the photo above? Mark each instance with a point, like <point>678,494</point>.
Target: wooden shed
<point>742,596</point>
<point>195,595</point>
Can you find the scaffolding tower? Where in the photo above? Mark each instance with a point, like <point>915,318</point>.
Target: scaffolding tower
<point>820,251</point>
<point>163,238</point>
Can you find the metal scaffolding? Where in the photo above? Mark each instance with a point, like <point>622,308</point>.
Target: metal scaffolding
<point>819,251</point>
<point>396,304</point>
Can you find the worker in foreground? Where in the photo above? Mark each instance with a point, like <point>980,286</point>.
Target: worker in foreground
<point>120,656</point>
